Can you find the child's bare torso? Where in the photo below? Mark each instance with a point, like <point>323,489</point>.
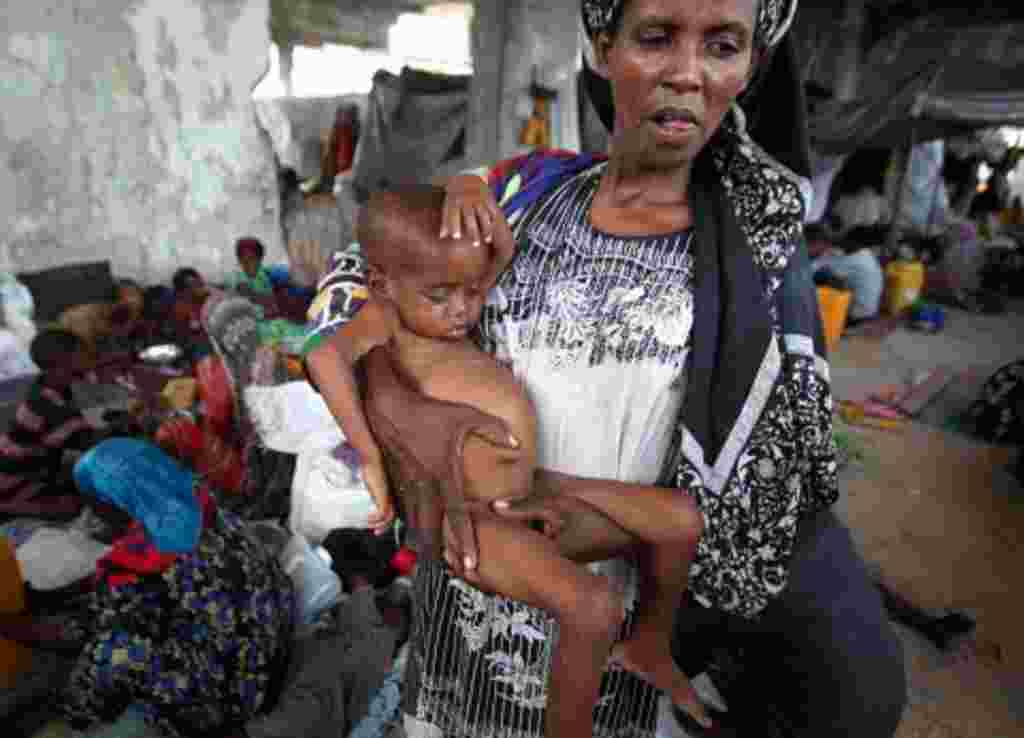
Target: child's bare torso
<point>472,377</point>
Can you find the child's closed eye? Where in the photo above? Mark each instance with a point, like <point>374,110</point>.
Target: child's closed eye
<point>437,296</point>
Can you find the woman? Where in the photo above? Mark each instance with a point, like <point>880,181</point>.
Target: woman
<point>190,620</point>
<point>660,309</point>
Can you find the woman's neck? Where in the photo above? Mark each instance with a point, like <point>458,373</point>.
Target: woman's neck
<point>636,200</point>
<point>629,183</point>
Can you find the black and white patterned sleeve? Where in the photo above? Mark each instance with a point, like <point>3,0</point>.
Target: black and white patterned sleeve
<point>808,371</point>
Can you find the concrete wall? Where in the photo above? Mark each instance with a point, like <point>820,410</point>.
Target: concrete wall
<point>127,132</point>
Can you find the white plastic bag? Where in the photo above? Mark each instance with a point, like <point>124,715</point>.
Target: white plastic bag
<point>15,360</point>
<point>328,490</point>
<point>18,308</point>
<point>286,415</point>
<point>317,587</point>
<point>53,557</point>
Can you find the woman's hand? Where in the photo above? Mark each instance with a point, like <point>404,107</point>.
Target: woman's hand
<point>470,211</point>
<point>537,511</point>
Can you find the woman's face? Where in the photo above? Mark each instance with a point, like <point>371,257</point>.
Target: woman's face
<point>675,67</point>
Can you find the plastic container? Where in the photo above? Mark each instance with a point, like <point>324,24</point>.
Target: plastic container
<point>904,281</point>
<point>15,658</point>
<point>317,587</point>
<point>927,317</point>
<point>834,306</point>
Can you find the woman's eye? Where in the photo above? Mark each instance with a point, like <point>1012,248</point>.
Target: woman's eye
<point>724,48</point>
<point>653,39</point>
<point>438,297</point>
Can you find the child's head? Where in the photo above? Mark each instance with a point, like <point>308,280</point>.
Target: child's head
<point>249,251</point>
<point>436,285</point>
<point>60,356</point>
<point>188,281</point>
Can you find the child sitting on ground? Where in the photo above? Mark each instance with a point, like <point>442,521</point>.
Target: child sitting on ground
<point>255,280</point>
<point>413,336</point>
<point>47,434</point>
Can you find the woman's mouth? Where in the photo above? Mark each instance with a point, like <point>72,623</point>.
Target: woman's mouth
<point>675,123</point>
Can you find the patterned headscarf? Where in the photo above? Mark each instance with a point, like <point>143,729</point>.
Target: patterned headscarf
<point>773,19</point>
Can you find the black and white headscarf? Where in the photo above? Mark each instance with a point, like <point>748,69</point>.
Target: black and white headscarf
<point>774,18</point>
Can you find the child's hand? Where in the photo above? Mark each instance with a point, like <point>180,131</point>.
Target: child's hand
<point>470,211</point>
<point>377,482</point>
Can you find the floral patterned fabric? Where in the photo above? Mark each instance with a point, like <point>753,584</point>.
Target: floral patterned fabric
<point>998,413</point>
<point>196,640</point>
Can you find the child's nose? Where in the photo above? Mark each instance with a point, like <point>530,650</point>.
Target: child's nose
<point>459,306</point>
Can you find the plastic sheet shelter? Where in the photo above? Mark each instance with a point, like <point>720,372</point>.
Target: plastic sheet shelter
<point>932,79</point>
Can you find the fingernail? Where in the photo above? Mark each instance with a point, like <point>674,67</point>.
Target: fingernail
<point>490,238</point>
<point>468,561</point>
<point>476,242</point>
<point>501,504</point>
<point>513,441</point>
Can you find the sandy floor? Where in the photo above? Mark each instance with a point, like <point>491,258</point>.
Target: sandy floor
<point>939,516</point>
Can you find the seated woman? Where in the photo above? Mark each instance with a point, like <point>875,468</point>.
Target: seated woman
<point>270,288</point>
<point>853,261</point>
<point>190,621</point>
<point>190,293</point>
<point>254,279</point>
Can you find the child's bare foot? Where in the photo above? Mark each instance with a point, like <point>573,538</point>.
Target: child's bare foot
<point>647,655</point>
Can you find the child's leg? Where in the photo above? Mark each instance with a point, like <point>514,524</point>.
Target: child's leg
<point>663,577</point>
<point>667,525</point>
<point>524,565</point>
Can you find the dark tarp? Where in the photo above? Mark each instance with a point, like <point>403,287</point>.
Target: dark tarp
<point>934,78</point>
<point>414,123</point>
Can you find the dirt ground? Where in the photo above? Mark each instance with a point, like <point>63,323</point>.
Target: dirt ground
<point>940,517</point>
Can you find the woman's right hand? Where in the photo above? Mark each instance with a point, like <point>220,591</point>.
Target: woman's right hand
<point>470,211</point>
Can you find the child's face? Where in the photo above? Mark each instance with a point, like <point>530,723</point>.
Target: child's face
<point>197,288</point>
<point>443,299</point>
<point>250,263</point>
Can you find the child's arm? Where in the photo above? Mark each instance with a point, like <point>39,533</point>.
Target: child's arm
<point>332,366</point>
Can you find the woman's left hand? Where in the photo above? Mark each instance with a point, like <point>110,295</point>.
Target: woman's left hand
<point>470,211</point>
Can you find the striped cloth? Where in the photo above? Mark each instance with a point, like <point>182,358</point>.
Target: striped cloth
<point>46,424</point>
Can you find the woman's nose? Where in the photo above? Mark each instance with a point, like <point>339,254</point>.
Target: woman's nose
<point>683,67</point>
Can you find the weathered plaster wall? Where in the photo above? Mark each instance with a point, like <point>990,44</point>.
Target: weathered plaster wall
<point>127,132</point>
